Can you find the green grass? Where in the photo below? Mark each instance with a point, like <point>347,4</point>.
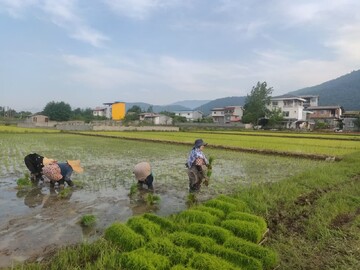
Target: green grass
<point>24,181</point>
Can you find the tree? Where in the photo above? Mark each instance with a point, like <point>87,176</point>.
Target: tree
<point>256,103</point>
<point>132,114</point>
<point>275,117</point>
<point>57,111</point>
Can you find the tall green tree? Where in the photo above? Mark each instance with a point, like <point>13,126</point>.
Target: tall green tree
<point>57,111</point>
<point>256,103</point>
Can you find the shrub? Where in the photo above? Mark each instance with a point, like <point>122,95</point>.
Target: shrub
<point>144,259</point>
<point>184,239</point>
<point>191,216</point>
<point>268,258</point>
<point>217,233</point>
<point>249,217</point>
<point>206,261</point>
<point>124,237</point>
<point>244,229</point>
<point>164,223</point>
<point>176,254</point>
<point>144,227</point>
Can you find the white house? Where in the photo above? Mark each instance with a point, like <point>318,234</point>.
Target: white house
<point>291,107</point>
<point>100,111</point>
<point>190,115</point>
<point>228,114</point>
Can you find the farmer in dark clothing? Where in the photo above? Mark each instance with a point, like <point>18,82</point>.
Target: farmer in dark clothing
<point>197,165</point>
<point>61,172</point>
<point>35,162</point>
<point>144,174</point>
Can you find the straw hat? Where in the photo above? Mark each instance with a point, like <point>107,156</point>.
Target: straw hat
<point>75,165</point>
<point>52,171</point>
<point>142,170</point>
<point>47,161</point>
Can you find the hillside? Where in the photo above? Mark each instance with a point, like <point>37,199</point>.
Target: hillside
<point>191,104</point>
<point>156,108</point>
<point>343,91</point>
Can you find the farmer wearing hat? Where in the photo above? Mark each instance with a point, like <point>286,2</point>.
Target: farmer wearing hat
<point>35,162</point>
<point>144,174</point>
<point>197,165</point>
<point>61,172</point>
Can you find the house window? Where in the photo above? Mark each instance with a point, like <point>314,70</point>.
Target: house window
<point>286,114</point>
<point>288,103</point>
<point>274,103</point>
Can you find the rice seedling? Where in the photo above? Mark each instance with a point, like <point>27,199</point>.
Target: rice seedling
<point>243,229</point>
<point>239,259</point>
<point>210,262</point>
<point>191,199</point>
<point>124,237</point>
<point>88,220</point>
<point>164,223</point>
<point>24,181</point>
<point>176,254</point>
<point>213,211</point>
<point>240,204</point>
<point>151,199</point>
<point>65,193</point>
<point>188,240</point>
<point>219,204</point>
<point>144,227</point>
<point>268,257</point>
<point>144,259</point>
<point>249,217</point>
<point>215,232</point>
<point>209,171</point>
<point>133,189</point>
<point>190,216</point>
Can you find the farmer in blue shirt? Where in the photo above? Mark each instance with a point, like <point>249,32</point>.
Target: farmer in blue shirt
<point>197,165</point>
<point>62,172</point>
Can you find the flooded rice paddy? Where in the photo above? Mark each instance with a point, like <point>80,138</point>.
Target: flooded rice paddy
<point>35,221</point>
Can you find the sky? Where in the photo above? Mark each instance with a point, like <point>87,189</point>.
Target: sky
<point>89,52</point>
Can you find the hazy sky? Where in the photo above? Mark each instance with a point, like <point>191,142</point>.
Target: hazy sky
<point>88,52</point>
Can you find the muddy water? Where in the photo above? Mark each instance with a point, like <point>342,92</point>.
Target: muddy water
<point>35,221</point>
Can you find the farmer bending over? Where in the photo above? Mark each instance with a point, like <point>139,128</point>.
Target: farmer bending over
<point>35,162</point>
<point>61,172</point>
<point>144,174</point>
<point>197,165</point>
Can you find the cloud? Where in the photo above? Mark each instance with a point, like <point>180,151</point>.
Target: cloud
<point>141,9</point>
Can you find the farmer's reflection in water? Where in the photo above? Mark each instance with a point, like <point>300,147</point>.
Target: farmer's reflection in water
<point>33,197</point>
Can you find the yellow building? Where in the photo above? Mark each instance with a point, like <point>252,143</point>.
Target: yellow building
<point>118,110</point>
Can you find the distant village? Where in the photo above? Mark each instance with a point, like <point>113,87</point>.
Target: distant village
<point>299,112</point>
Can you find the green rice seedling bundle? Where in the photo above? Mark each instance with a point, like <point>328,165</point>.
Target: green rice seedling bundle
<point>191,199</point>
<point>191,216</point>
<point>133,189</point>
<point>213,211</point>
<point>124,237</point>
<point>88,220</point>
<point>219,204</point>
<point>176,254</point>
<point>243,229</point>
<point>268,258</point>
<point>188,240</point>
<point>24,181</point>
<point>249,217</point>
<point>144,227</point>
<point>217,233</point>
<point>239,259</point>
<point>144,259</point>
<point>165,223</point>
<point>240,204</point>
<point>152,199</point>
<point>207,261</point>
<point>64,193</point>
